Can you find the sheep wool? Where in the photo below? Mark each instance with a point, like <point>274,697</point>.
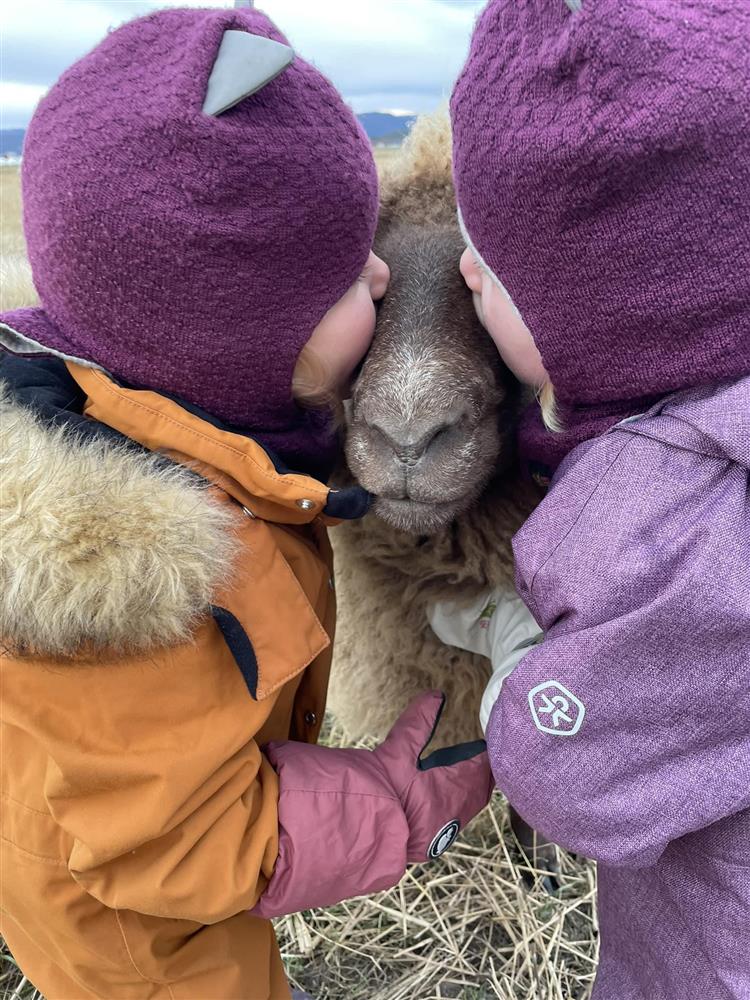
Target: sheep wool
<point>191,254</point>
<point>387,579</point>
<point>602,168</point>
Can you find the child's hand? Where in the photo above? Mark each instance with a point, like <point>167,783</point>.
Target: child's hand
<point>443,790</point>
<point>492,625</point>
<point>350,820</point>
<point>498,625</point>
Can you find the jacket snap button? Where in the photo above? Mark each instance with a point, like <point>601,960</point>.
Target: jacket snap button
<point>306,504</point>
<point>310,718</point>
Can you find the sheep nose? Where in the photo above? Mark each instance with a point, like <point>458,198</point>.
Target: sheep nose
<point>409,443</point>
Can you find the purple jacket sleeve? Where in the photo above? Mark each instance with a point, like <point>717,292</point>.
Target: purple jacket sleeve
<point>629,725</point>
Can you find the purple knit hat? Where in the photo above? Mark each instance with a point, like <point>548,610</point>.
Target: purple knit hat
<point>602,169</point>
<point>188,253</point>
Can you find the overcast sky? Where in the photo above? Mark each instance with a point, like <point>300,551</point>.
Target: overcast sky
<point>383,55</point>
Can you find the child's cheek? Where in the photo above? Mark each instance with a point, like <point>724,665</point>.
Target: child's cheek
<point>366,330</point>
<point>493,314</point>
<point>357,338</point>
<point>479,309</point>
<point>512,338</point>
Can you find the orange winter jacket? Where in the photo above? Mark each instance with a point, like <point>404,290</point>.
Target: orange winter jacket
<point>160,626</point>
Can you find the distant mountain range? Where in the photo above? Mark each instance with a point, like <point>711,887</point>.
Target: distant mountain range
<point>383,129</point>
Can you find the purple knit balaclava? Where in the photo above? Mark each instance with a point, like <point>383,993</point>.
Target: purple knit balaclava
<point>602,170</point>
<point>188,253</point>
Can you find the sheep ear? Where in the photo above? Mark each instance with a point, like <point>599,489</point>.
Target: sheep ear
<point>244,64</point>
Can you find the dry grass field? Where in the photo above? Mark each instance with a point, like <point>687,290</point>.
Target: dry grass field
<point>477,924</point>
<point>11,235</point>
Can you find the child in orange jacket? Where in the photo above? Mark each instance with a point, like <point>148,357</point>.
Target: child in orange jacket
<point>199,207</point>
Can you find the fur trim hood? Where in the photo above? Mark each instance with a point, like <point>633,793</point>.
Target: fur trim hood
<point>105,546</point>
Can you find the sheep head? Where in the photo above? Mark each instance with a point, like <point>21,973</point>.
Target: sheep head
<point>431,416</point>
<point>429,419</point>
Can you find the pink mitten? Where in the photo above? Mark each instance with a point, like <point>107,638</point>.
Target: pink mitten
<point>350,820</point>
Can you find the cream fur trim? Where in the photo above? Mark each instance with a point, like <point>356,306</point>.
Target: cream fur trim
<point>101,548</point>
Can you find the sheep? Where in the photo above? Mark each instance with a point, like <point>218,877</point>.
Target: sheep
<point>432,388</point>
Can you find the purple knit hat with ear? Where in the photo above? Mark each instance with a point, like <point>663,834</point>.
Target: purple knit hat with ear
<point>188,253</point>
<point>602,169</point>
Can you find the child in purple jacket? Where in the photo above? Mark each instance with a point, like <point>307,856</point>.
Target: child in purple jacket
<point>602,169</point>
<point>199,210</point>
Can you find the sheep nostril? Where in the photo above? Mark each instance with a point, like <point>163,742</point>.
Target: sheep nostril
<point>408,448</point>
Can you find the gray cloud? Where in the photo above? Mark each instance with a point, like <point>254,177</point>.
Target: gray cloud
<point>379,53</point>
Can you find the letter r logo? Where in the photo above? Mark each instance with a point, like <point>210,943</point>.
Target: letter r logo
<point>555,710</point>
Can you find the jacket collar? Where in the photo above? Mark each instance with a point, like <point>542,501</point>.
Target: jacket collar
<point>102,529</point>
<point>95,405</point>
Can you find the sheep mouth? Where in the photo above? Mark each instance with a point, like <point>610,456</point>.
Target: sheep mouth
<point>418,516</point>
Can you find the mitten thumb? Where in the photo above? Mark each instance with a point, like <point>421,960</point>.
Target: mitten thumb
<point>412,731</point>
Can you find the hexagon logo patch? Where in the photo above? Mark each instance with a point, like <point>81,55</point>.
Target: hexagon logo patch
<point>555,710</point>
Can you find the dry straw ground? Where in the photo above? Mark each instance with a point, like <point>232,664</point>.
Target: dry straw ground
<point>474,925</point>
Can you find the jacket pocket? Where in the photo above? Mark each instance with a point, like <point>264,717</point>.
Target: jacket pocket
<point>266,618</point>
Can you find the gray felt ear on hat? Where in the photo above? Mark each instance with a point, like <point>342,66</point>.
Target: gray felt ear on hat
<point>244,64</point>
